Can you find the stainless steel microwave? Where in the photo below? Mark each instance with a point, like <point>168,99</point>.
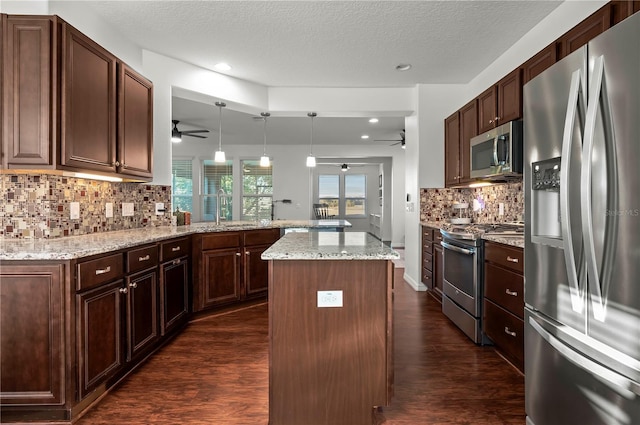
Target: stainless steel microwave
<point>497,154</point>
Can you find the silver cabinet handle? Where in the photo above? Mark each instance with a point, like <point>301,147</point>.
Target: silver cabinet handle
<point>175,262</point>
<point>512,293</point>
<point>103,271</point>
<point>123,290</point>
<point>238,254</point>
<point>509,331</point>
<point>175,249</point>
<point>512,260</point>
<point>145,258</point>
<point>133,285</point>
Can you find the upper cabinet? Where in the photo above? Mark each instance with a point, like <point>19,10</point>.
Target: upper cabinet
<point>582,33</point>
<point>500,103</point>
<point>92,113</point>
<point>452,149</point>
<point>538,63</point>
<point>460,127</point>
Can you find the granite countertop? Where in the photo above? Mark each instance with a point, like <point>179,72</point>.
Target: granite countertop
<point>511,240</point>
<point>329,246</point>
<point>72,247</point>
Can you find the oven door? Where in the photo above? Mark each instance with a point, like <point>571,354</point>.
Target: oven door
<point>461,276</point>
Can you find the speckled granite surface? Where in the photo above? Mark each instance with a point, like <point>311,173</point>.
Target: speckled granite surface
<point>512,240</point>
<point>98,243</point>
<point>329,246</point>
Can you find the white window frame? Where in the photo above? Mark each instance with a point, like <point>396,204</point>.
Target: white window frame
<point>261,214</point>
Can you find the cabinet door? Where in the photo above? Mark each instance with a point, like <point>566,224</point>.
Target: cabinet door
<point>452,149</point>
<point>468,129</point>
<point>135,123</point>
<point>256,272</point>
<point>29,92</point>
<point>142,313</point>
<point>100,352</point>
<point>32,344</point>
<point>510,97</point>
<point>88,140</point>
<point>174,294</point>
<point>538,63</point>
<point>585,31</point>
<point>487,109</point>
<point>221,278</point>
<point>438,269</point>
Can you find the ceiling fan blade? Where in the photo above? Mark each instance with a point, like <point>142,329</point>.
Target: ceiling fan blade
<point>383,140</point>
<point>194,131</point>
<point>193,135</point>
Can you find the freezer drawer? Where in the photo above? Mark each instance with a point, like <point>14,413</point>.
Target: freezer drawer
<point>565,387</point>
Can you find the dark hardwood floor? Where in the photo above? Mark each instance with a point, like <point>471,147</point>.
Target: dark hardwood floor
<point>216,372</point>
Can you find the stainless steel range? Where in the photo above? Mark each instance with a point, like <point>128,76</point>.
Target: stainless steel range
<point>464,275</point>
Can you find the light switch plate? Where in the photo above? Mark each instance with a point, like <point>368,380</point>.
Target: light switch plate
<point>108,209</point>
<point>74,210</point>
<point>329,298</point>
<point>127,209</point>
<point>160,208</point>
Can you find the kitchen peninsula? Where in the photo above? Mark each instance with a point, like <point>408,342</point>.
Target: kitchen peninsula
<point>330,328</point>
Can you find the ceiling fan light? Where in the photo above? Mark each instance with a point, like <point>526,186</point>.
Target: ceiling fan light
<point>176,138</point>
<point>311,161</point>
<point>404,146</point>
<point>219,157</point>
<point>344,167</point>
<point>265,161</point>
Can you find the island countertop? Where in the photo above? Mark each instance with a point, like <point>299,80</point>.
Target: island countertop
<point>72,247</point>
<point>329,246</point>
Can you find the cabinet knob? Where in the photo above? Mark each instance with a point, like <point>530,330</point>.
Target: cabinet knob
<point>133,285</point>
<point>117,163</point>
<point>509,331</point>
<point>123,290</point>
<point>238,254</point>
<point>175,262</point>
<point>490,121</point>
<point>247,253</point>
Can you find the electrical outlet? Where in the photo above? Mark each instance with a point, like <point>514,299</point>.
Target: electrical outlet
<point>500,208</point>
<point>160,208</point>
<point>75,210</point>
<point>329,298</point>
<point>127,209</point>
<point>108,209</point>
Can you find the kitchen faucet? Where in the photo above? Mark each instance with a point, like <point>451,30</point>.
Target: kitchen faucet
<point>220,200</point>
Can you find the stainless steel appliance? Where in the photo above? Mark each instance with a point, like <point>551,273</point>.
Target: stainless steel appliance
<point>497,154</point>
<point>463,285</point>
<point>582,235</point>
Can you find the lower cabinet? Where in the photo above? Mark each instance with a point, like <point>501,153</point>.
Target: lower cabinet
<point>174,294</point>
<point>504,300</point>
<point>142,313</point>
<point>432,260</point>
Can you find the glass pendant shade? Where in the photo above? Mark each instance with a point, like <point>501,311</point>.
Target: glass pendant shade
<point>219,155</point>
<point>311,160</point>
<point>265,161</point>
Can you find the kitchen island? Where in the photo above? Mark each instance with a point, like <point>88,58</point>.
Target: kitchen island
<point>330,328</point>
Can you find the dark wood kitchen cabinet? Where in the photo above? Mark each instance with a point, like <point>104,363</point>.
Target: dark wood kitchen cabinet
<point>68,104</point>
<point>500,103</point>
<point>256,270</point>
<point>452,166</point>
<point>432,267</point>
<point>174,284</point>
<point>581,34</point>
<point>539,63</point>
<point>504,300</point>
<point>460,127</point>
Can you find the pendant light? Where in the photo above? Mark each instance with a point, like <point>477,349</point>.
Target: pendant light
<point>311,160</point>
<point>219,156</point>
<point>264,159</point>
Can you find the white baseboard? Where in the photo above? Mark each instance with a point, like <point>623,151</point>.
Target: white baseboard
<point>415,285</point>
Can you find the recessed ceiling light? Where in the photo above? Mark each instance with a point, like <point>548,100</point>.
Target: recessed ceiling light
<point>364,136</point>
<point>222,66</point>
<point>373,120</point>
<point>403,67</point>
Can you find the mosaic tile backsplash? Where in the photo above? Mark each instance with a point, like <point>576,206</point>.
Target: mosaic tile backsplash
<point>435,204</point>
<point>38,206</point>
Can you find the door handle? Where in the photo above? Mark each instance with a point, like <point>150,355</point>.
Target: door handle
<point>457,249</point>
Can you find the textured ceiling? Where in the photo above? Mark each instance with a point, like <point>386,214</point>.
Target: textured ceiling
<point>330,43</point>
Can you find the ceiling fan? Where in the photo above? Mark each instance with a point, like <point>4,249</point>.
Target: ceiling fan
<point>398,142</point>
<point>176,135</point>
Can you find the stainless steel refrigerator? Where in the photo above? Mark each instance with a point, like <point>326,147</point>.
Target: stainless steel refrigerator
<point>582,235</point>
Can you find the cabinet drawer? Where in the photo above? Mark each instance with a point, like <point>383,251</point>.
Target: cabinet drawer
<point>427,233</point>
<point>427,246</point>
<point>427,261</point>
<point>101,270</point>
<point>261,237</point>
<point>175,248</point>
<point>505,288</point>
<point>142,258</point>
<point>506,331</point>
<point>437,237</point>
<point>221,240</point>
<point>506,256</point>
<point>427,277</point>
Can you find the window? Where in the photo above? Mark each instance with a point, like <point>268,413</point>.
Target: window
<point>257,190</point>
<point>215,177</point>
<point>329,192</point>
<point>355,194</point>
<point>181,185</point>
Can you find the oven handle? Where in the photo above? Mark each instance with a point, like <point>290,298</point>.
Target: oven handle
<point>457,249</point>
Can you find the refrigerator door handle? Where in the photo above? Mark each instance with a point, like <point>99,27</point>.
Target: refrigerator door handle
<point>623,385</point>
<point>577,303</point>
<point>599,277</point>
